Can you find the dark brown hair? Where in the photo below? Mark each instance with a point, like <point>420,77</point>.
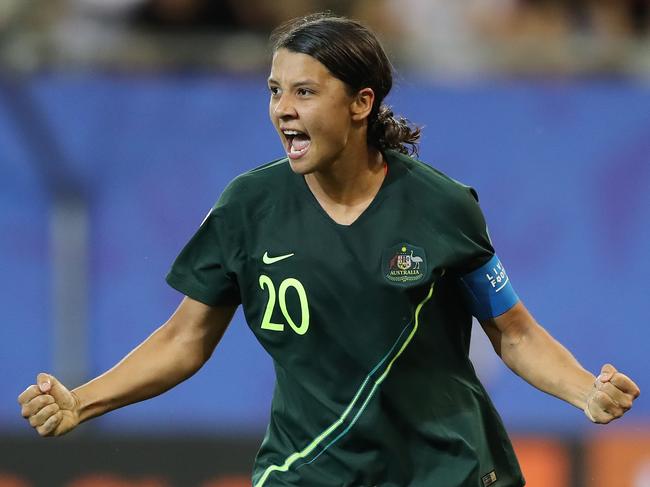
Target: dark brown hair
<point>353,54</point>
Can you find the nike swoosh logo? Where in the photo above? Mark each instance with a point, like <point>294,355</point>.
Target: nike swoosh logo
<point>272,260</point>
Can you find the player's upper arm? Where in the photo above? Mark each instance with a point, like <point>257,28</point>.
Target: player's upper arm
<point>492,300</point>
<point>508,327</point>
<point>488,291</point>
<point>199,327</point>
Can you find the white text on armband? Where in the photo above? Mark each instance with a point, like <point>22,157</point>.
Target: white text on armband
<point>488,290</point>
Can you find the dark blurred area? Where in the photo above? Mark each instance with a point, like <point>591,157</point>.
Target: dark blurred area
<point>439,37</point>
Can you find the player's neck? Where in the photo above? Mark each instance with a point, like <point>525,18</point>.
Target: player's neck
<point>349,186</point>
<point>352,179</point>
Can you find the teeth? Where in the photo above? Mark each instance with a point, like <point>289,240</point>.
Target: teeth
<point>290,132</point>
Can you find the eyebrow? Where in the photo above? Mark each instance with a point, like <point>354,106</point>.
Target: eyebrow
<point>302,82</point>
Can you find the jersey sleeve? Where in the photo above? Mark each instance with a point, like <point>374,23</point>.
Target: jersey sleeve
<point>470,242</point>
<point>203,270</point>
<point>484,281</point>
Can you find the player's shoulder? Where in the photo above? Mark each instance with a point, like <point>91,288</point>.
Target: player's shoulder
<point>257,184</point>
<point>425,183</point>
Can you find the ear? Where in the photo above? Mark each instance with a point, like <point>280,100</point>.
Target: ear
<point>362,104</point>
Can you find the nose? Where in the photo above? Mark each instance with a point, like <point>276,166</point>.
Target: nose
<point>284,108</point>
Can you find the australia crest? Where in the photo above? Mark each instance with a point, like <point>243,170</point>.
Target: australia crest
<point>404,263</point>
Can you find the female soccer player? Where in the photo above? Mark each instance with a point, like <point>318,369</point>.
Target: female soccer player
<point>359,269</point>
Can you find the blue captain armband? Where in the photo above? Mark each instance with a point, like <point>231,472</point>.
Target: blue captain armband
<point>488,290</point>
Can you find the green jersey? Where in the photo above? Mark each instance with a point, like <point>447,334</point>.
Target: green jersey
<point>367,325</point>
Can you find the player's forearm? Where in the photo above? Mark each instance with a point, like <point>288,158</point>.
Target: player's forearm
<point>156,365</point>
<point>542,361</point>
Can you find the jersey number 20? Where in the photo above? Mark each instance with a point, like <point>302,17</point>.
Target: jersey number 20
<point>267,324</point>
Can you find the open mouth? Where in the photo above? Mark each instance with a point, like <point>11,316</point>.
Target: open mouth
<point>298,143</point>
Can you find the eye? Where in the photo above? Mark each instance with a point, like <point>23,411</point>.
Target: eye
<point>274,90</point>
<point>303,92</point>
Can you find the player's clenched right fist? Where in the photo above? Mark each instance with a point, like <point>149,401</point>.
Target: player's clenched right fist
<point>49,406</point>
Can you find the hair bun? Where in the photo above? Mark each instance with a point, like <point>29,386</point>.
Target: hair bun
<point>386,131</point>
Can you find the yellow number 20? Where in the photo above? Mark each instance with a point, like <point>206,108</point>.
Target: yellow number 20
<point>267,324</point>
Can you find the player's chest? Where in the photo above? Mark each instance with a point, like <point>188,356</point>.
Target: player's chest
<point>307,283</point>
<point>389,248</point>
<point>304,264</point>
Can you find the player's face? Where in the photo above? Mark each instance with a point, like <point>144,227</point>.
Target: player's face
<point>310,109</point>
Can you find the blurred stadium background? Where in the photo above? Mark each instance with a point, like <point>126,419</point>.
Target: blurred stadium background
<point>122,120</point>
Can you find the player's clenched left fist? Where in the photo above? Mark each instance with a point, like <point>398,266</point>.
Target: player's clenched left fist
<point>49,406</point>
<point>611,397</point>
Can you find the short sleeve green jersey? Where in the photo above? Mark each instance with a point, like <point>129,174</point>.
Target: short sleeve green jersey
<point>366,325</point>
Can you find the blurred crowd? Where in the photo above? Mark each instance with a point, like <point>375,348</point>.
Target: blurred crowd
<point>437,36</point>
